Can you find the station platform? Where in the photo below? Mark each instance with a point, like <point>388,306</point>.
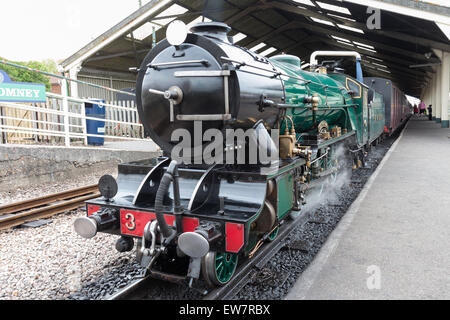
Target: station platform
<point>141,146</point>
<point>29,165</point>
<point>393,243</point>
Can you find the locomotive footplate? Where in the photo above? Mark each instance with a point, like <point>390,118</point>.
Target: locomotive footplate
<point>226,197</point>
<point>315,141</point>
<point>131,222</point>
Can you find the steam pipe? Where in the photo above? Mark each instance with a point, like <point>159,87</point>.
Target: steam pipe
<point>359,75</point>
<point>315,54</point>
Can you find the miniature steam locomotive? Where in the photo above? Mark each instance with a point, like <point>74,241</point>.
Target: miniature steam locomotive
<point>198,215</point>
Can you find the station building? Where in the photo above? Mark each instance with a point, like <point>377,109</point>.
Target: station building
<point>406,41</point>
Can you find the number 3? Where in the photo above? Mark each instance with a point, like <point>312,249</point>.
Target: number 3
<point>131,224</point>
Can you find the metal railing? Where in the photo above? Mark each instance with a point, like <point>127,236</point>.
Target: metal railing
<point>65,117</point>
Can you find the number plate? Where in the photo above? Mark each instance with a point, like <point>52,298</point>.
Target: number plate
<point>133,222</point>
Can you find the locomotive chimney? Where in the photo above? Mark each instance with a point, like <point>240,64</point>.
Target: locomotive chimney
<point>216,30</point>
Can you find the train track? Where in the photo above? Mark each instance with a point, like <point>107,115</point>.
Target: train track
<point>244,272</point>
<point>130,289</point>
<point>15,214</point>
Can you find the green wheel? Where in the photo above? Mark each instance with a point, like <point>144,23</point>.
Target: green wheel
<point>219,268</point>
<point>274,234</point>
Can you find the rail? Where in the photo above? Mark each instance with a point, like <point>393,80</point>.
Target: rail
<point>18,213</point>
<point>128,290</point>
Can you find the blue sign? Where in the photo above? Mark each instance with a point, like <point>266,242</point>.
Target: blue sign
<point>11,91</point>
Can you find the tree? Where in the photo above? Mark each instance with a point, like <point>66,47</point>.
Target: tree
<point>22,75</point>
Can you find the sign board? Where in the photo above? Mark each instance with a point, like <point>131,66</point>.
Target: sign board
<point>19,91</point>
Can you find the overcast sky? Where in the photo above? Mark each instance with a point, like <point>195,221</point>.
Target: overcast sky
<point>41,29</point>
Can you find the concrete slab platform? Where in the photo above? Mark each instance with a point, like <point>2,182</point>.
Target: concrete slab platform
<point>143,146</point>
<point>394,242</point>
<point>25,165</point>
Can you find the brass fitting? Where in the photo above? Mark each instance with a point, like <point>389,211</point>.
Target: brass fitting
<point>323,70</point>
<point>315,101</point>
<point>287,143</point>
<point>288,140</point>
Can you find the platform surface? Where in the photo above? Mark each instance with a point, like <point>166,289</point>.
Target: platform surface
<point>394,242</point>
<point>34,165</point>
<point>144,146</point>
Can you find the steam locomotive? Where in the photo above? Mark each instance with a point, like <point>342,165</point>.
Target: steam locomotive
<point>199,214</point>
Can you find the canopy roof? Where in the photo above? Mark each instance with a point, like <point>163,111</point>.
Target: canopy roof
<point>401,50</point>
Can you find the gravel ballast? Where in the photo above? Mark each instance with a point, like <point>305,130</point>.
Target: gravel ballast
<point>52,261</point>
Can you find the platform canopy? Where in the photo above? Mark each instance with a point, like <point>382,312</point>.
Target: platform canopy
<point>404,48</point>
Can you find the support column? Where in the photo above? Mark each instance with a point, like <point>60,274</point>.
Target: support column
<point>437,88</point>
<point>445,88</point>
<point>430,97</point>
<point>426,96</point>
<point>433,97</point>
<point>73,74</point>
<point>65,109</point>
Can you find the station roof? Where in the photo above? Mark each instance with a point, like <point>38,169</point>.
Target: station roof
<point>404,48</point>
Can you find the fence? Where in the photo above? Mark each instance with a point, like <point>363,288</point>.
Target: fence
<point>46,122</point>
<point>62,119</point>
<point>85,90</point>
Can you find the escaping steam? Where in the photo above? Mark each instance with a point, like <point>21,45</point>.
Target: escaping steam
<point>328,192</point>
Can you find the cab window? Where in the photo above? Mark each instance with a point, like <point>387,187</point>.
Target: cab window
<point>355,87</point>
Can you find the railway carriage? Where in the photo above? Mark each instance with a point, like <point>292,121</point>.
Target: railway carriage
<point>194,216</point>
<point>397,108</point>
